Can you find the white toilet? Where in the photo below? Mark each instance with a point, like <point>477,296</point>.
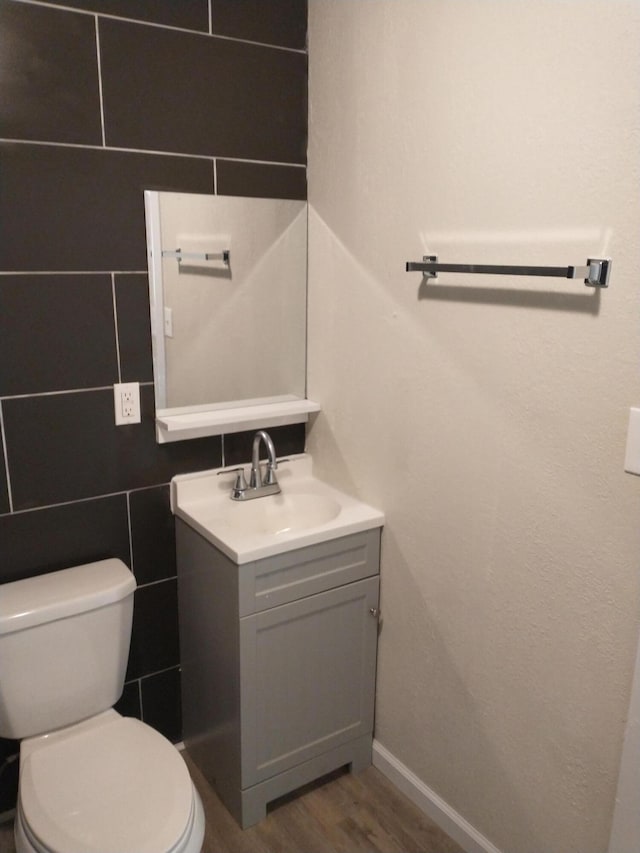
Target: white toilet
<point>91,781</point>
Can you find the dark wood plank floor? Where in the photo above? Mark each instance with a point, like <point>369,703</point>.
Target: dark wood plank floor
<point>341,814</point>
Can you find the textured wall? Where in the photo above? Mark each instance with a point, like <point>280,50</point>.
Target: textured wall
<point>97,105</point>
<point>487,417</point>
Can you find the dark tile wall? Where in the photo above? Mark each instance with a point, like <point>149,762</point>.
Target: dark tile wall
<point>99,100</point>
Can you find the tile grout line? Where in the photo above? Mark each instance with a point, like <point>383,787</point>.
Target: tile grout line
<point>160,153</point>
<point>155,672</point>
<point>115,324</point>
<point>73,272</point>
<point>5,453</point>
<point>139,680</point>
<point>147,384</point>
<point>159,581</point>
<point>88,499</point>
<point>100,95</point>
<point>128,498</point>
<point>161,671</point>
<point>140,22</point>
<point>66,503</point>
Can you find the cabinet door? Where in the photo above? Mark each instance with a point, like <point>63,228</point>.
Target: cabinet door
<point>308,678</point>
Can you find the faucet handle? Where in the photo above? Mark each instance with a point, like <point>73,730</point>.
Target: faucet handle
<point>240,484</point>
<point>269,478</point>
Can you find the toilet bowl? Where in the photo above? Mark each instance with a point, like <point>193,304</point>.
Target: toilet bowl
<point>108,785</point>
<point>89,783</point>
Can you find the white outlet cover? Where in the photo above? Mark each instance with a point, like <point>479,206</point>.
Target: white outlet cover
<point>126,403</point>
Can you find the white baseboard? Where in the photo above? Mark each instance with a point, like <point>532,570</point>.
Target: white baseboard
<point>430,803</point>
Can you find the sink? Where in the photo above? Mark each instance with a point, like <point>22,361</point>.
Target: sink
<point>306,511</point>
<point>283,513</point>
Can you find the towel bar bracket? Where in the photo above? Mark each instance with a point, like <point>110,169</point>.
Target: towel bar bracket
<point>599,269</point>
<point>427,259</point>
<point>224,255</point>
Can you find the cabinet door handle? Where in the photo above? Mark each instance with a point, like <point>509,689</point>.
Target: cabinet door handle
<point>373,611</point>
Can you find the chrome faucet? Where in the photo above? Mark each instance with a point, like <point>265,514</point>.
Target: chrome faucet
<point>259,486</point>
<point>255,480</point>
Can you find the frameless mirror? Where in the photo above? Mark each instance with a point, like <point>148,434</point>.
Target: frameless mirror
<point>228,302</point>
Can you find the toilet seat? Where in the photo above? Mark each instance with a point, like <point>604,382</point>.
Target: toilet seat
<point>108,785</point>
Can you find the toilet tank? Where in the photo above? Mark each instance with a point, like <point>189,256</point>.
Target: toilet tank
<point>64,644</point>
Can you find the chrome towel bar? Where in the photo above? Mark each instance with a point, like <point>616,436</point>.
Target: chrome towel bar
<point>224,255</point>
<point>595,273</point>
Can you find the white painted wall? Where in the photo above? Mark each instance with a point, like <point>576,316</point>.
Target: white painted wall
<point>488,420</point>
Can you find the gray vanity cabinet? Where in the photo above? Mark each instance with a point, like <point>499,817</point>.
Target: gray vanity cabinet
<point>279,659</point>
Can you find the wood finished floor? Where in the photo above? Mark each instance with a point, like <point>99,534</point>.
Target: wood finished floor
<point>341,814</point>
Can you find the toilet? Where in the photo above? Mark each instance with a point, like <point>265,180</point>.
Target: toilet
<point>91,781</point>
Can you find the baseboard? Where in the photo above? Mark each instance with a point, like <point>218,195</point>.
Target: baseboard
<point>430,803</point>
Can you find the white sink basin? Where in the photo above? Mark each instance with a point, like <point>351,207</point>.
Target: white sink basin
<point>278,514</point>
<point>307,511</point>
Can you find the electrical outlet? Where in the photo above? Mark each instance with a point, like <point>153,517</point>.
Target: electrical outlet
<point>126,400</point>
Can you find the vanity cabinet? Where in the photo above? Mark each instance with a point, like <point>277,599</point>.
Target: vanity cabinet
<point>278,664</point>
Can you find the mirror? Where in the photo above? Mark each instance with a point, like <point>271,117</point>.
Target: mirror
<point>228,303</point>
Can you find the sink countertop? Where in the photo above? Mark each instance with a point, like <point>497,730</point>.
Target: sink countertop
<point>306,512</point>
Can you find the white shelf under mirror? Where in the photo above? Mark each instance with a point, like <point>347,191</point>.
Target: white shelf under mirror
<point>200,421</point>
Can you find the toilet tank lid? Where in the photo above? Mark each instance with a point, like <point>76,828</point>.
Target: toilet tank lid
<point>56,595</point>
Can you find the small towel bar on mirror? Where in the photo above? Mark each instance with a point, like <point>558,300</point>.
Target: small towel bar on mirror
<point>595,273</point>
<point>179,255</point>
